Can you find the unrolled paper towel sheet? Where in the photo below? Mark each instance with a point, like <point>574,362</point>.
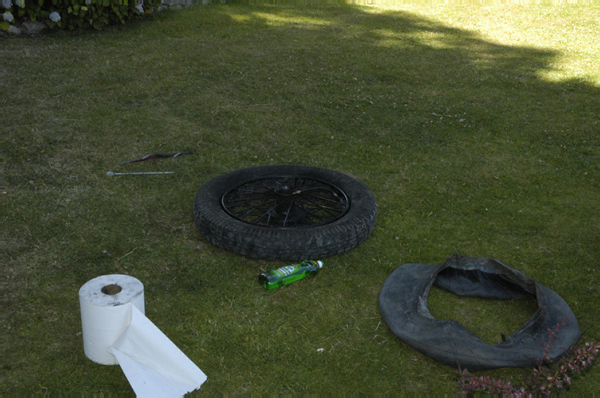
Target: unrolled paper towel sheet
<point>115,330</point>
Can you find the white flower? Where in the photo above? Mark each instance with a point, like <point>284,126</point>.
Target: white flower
<point>8,16</point>
<point>21,3</point>
<point>54,16</point>
<point>140,8</point>
<point>7,4</point>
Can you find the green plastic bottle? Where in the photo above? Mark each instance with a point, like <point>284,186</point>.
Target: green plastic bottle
<point>291,273</point>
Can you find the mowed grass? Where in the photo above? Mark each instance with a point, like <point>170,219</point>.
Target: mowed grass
<point>475,127</point>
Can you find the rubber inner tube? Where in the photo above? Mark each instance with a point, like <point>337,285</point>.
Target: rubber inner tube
<point>403,305</point>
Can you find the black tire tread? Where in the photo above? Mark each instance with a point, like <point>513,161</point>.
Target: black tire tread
<point>289,244</point>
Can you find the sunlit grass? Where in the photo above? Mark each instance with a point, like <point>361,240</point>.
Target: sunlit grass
<point>562,29</point>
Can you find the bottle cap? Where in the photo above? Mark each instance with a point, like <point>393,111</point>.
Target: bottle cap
<point>320,264</point>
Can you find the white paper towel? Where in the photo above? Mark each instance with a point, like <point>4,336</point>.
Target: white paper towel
<point>104,317</point>
<point>115,330</point>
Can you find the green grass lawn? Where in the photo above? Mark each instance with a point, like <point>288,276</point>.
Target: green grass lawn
<point>475,127</point>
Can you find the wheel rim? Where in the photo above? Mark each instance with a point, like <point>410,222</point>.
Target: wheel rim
<point>285,201</point>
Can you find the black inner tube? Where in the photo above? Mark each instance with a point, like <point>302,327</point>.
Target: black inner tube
<point>403,305</point>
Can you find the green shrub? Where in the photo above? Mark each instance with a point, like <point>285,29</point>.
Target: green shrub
<point>74,14</point>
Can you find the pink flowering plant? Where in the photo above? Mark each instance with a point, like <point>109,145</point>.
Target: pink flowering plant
<point>547,378</point>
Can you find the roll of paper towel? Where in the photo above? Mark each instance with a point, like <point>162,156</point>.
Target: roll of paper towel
<point>106,312</point>
<point>116,331</point>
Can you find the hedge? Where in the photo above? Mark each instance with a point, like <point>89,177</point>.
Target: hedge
<point>73,14</point>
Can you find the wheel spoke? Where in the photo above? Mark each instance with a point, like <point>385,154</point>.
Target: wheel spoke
<point>319,201</point>
<point>313,216</point>
<point>251,209</point>
<point>307,192</point>
<point>233,203</point>
<point>328,210</point>
<point>286,202</point>
<point>267,213</point>
<point>287,213</point>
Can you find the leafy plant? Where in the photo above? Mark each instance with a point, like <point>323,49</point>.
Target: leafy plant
<point>74,14</point>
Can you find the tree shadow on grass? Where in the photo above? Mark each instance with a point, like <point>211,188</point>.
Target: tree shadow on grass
<point>394,77</point>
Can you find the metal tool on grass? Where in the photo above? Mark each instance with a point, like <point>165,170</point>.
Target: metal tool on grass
<point>111,173</point>
<point>157,156</point>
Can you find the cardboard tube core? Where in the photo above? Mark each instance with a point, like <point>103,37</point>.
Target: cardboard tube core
<point>111,289</point>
